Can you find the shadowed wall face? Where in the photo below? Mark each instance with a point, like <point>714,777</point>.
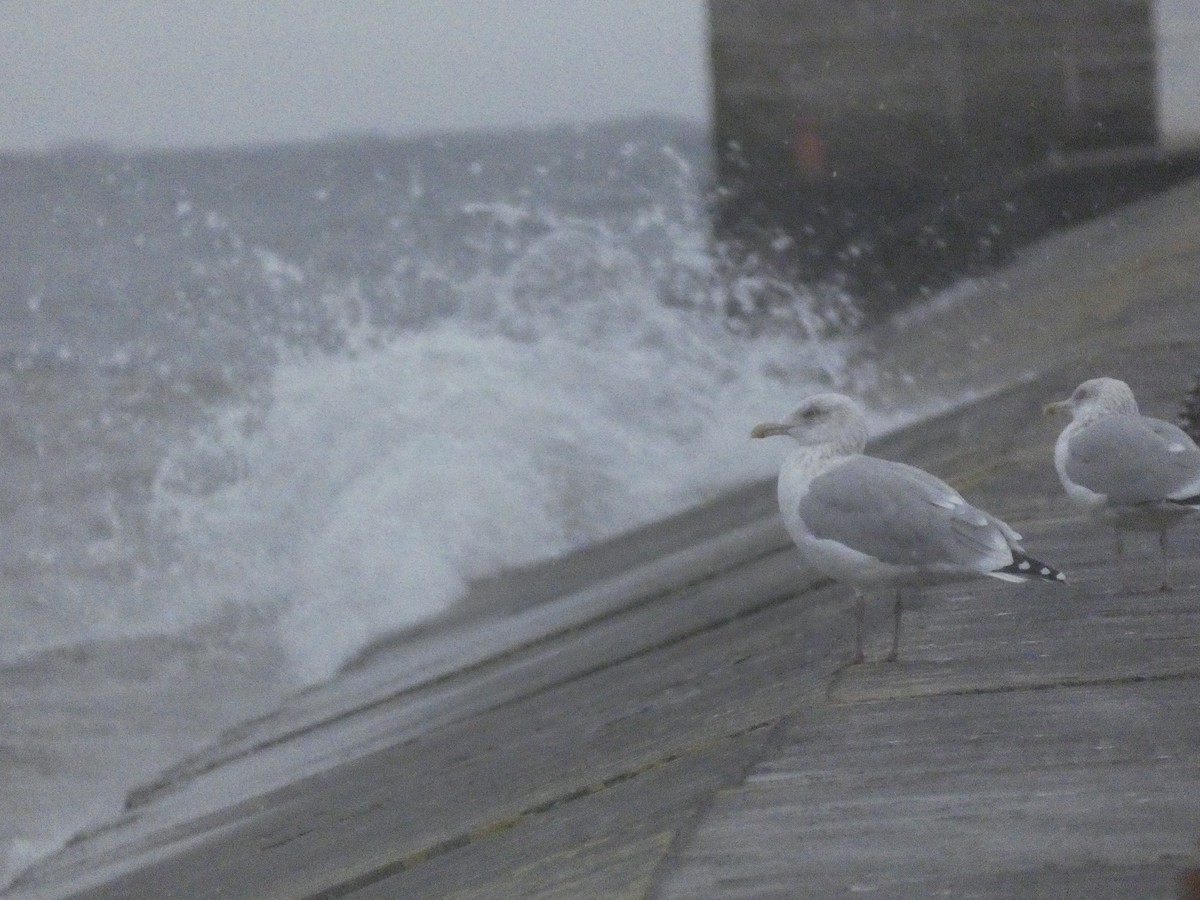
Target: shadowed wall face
<point>893,148</point>
<point>925,88</point>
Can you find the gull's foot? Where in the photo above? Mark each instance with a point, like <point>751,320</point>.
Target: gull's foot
<point>857,659</point>
<point>892,657</point>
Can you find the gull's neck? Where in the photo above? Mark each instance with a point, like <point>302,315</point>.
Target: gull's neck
<point>809,461</point>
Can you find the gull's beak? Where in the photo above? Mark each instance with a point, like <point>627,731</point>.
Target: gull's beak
<point>768,429</point>
<point>1058,406</point>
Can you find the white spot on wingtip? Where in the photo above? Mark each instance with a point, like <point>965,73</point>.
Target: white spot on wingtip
<point>1024,565</point>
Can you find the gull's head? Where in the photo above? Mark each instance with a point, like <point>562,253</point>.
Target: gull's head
<point>1095,398</point>
<point>831,419</point>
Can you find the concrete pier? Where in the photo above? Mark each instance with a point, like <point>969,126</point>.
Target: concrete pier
<point>671,715</point>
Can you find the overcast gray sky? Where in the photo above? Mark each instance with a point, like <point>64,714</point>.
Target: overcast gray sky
<point>217,72</point>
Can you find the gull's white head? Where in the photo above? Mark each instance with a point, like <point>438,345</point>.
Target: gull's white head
<point>1096,398</point>
<point>832,420</point>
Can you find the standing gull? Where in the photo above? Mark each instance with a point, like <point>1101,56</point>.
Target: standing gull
<point>1131,471</point>
<point>874,523</point>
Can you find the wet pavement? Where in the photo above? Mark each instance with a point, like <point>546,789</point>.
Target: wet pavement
<point>676,719</point>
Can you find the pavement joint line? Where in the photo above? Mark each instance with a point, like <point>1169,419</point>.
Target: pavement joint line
<point>677,638</point>
<point>672,858</point>
<point>1137,267</point>
<point>1009,461</point>
<point>502,824</point>
<point>146,793</point>
<point>1050,685</point>
<point>507,822</point>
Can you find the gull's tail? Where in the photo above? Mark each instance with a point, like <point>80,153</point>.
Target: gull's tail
<point>1025,567</point>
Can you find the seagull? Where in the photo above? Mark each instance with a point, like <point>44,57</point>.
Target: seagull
<point>873,523</point>
<point>1130,471</point>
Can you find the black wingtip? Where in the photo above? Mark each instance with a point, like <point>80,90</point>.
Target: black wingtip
<point>1028,567</point>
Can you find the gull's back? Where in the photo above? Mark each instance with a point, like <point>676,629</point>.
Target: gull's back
<point>901,516</point>
<point>1127,460</point>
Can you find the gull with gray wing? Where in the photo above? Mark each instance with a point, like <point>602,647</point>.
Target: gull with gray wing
<point>1133,472</point>
<point>873,523</point>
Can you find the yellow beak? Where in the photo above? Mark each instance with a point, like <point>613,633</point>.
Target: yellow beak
<point>768,429</point>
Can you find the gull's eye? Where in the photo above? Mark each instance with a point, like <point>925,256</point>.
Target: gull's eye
<point>811,413</point>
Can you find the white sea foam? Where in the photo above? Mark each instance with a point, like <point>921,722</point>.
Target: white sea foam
<point>378,484</point>
<point>540,364</point>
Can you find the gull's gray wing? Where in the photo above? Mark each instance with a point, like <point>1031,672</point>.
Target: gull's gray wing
<point>1134,459</point>
<point>902,516</point>
<point>939,488</point>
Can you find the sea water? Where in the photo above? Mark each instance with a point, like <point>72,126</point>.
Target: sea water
<point>260,409</point>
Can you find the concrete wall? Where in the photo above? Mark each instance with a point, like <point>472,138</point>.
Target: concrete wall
<point>897,89</point>
<point>1177,29</point>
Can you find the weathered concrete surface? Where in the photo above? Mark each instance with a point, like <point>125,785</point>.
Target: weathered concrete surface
<point>1028,746</point>
<point>682,725</point>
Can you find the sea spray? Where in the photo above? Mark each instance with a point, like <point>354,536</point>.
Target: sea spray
<point>380,480</point>
<point>261,408</point>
